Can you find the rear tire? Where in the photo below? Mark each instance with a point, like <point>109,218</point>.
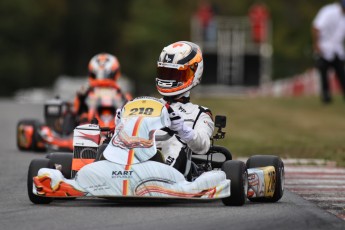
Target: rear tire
<point>236,171</point>
<point>34,167</point>
<point>32,146</point>
<point>269,160</point>
<point>63,159</point>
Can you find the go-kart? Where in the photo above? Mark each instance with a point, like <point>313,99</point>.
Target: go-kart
<point>126,166</point>
<point>56,133</point>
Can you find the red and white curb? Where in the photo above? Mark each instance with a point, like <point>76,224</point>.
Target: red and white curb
<point>323,185</point>
<point>304,84</point>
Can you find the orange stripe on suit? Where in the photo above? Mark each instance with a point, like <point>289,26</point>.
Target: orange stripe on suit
<point>131,155</point>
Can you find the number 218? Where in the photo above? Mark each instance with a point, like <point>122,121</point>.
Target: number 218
<point>146,111</point>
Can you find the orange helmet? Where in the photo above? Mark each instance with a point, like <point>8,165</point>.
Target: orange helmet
<point>104,69</point>
<point>179,68</point>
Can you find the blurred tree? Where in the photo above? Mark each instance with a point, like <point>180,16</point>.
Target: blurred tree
<point>29,41</point>
<point>153,24</point>
<point>91,27</point>
<point>41,39</point>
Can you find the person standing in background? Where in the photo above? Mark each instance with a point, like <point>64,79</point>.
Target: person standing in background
<point>205,15</point>
<point>328,32</point>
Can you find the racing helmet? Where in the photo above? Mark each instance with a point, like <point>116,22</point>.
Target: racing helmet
<point>104,69</point>
<point>179,68</point>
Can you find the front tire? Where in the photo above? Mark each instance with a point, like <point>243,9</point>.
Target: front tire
<point>269,160</point>
<point>34,167</point>
<point>236,171</point>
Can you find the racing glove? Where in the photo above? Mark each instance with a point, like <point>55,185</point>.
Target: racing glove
<point>178,125</point>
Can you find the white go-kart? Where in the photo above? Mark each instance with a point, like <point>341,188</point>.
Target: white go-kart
<point>125,167</point>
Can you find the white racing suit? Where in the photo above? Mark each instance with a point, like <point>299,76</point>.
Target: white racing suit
<point>175,151</point>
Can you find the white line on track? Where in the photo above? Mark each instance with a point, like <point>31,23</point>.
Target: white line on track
<point>315,181</point>
<point>323,185</point>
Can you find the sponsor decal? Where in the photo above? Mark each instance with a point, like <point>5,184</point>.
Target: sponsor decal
<point>122,174</point>
<point>270,182</point>
<point>170,65</point>
<point>169,160</point>
<point>261,182</point>
<point>79,143</point>
<point>169,57</point>
<point>143,98</point>
<point>255,187</point>
<point>99,187</point>
<point>253,179</point>
<point>182,109</point>
<point>93,126</point>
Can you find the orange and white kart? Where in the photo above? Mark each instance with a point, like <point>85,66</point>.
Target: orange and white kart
<point>56,133</point>
<point>127,167</point>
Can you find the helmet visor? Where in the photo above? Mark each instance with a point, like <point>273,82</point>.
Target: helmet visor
<point>179,75</point>
<point>103,74</point>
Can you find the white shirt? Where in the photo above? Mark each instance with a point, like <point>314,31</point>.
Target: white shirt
<point>330,21</point>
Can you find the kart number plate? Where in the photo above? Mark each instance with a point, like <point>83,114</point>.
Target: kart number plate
<point>147,108</point>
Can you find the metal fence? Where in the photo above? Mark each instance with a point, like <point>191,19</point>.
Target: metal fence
<point>238,60</point>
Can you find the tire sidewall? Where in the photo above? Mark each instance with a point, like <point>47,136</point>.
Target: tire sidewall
<point>34,167</point>
<point>236,171</point>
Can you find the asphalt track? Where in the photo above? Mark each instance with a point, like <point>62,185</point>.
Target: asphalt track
<point>17,212</point>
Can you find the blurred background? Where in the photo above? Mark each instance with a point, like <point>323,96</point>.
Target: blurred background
<point>257,50</point>
<point>244,42</point>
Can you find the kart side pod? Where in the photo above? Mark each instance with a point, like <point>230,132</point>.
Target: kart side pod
<point>261,182</point>
<point>266,178</point>
<point>86,139</point>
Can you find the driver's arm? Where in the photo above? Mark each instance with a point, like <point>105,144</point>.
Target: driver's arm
<point>203,131</point>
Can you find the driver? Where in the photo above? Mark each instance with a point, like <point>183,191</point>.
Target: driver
<point>179,69</point>
<point>104,71</point>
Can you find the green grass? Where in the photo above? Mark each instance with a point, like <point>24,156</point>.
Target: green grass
<point>288,127</point>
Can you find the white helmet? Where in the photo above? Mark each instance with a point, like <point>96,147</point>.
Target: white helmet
<point>179,68</point>
<point>104,69</point>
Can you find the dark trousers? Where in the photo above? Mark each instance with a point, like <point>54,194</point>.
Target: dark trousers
<point>323,65</point>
